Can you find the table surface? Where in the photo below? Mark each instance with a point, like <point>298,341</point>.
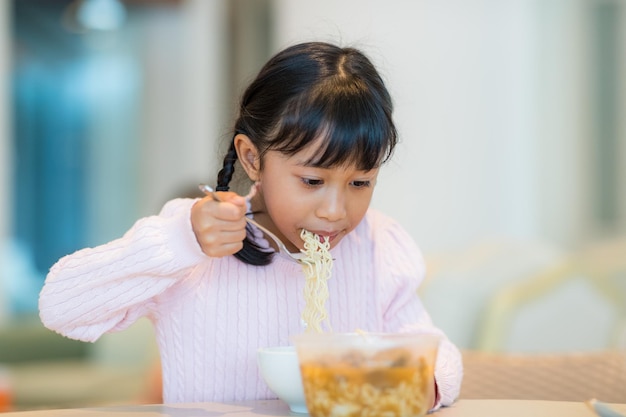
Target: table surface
<point>462,408</point>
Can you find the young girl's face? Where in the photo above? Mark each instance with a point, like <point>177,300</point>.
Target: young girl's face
<point>327,201</point>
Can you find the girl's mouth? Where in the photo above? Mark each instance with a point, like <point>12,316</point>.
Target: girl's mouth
<point>325,236</point>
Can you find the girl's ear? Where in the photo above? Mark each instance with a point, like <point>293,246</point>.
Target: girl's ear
<point>248,156</point>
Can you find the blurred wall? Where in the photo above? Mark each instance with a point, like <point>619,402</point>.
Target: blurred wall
<point>495,108</point>
<point>185,114</point>
<point>5,112</point>
<point>182,53</point>
<point>5,150</point>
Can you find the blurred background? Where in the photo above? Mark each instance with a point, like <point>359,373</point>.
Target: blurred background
<point>510,174</point>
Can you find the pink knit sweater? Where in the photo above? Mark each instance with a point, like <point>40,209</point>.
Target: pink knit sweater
<point>211,314</point>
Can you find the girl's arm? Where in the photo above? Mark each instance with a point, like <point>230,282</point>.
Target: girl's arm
<point>96,290</point>
<point>404,266</point>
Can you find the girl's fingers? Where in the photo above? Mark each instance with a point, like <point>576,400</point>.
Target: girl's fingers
<point>219,226</point>
<point>231,206</point>
<point>232,198</point>
<point>223,250</point>
<point>223,243</point>
<point>218,237</point>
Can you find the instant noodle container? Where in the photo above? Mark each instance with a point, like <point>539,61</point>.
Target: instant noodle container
<point>365,374</point>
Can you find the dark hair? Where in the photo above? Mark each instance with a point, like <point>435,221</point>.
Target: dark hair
<point>310,91</point>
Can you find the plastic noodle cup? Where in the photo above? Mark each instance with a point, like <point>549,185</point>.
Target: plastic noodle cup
<point>280,369</point>
<point>353,374</point>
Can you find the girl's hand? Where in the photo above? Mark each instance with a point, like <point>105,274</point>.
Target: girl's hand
<point>220,226</point>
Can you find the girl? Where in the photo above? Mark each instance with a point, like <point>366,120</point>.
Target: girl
<point>314,128</point>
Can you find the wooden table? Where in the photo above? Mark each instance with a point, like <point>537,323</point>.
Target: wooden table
<point>462,408</point>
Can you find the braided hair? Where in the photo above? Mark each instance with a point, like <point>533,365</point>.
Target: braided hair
<point>307,91</point>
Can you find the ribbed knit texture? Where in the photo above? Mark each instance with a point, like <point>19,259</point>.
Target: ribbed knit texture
<point>212,314</point>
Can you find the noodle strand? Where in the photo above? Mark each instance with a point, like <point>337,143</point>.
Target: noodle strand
<point>317,266</point>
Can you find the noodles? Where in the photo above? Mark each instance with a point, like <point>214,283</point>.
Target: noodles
<point>316,265</point>
<point>367,375</point>
<point>357,386</point>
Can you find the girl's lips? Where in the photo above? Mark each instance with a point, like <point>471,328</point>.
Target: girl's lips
<point>326,235</point>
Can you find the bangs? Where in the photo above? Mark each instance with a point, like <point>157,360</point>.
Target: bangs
<point>355,127</point>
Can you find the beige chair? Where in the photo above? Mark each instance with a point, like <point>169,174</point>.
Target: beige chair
<point>597,273</point>
<point>557,377</point>
<point>496,370</point>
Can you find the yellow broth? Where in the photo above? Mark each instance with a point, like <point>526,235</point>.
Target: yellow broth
<point>355,386</point>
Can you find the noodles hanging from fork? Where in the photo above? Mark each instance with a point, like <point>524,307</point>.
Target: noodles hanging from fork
<point>317,266</point>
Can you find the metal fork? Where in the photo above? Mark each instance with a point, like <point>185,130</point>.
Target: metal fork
<point>282,249</point>
<point>602,409</point>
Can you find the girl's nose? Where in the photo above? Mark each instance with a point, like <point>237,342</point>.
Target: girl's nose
<point>332,206</point>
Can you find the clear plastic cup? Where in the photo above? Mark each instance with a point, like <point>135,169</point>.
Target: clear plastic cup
<point>353,374</point>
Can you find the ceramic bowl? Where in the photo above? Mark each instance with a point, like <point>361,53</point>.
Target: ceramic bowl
<point>280,369</point>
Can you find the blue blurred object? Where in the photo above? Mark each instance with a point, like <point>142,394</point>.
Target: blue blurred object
<point>101,14</point>
<point>20,282</point>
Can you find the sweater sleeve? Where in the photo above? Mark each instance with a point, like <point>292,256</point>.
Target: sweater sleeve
<point>404,269</point>
<point>106,288</point>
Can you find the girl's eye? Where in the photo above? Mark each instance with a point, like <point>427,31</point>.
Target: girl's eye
<point>310,182</point>
<point>361,184</point>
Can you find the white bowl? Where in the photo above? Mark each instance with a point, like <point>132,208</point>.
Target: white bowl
<point>280,369</point>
